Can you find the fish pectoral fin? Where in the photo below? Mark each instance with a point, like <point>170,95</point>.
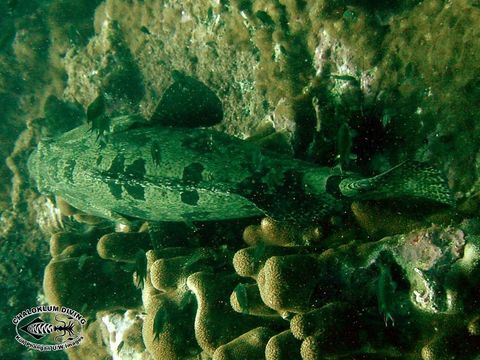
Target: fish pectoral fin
<point>408,179</point>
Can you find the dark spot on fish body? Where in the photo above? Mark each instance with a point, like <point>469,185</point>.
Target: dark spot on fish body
<point>118,165</point>
<point>99,160</point>
<point>115,189</point>
<point>190,197</point>
<point>192,174</point>
<point>145,30</point>
<point>136,191</point>
<point>136,169</point>
<point>68,170</point>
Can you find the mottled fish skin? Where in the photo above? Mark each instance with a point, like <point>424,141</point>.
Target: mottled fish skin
<point>186,174</point>
<point>407,179</point>
<point>158,174</point>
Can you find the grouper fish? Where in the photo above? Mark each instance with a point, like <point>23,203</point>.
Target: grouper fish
<point>195,174</point>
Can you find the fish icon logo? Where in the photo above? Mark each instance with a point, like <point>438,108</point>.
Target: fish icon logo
<point>49,328</point>
<point>38,328</point>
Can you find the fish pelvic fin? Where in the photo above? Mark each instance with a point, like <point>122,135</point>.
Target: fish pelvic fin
<point>407,179</point>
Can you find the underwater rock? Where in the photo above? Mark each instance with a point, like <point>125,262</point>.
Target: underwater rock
<point>87,283</point>
<point>64,207</point>
<point>382,218</point>
<point>246,299</point>
<point>277,278</point>
<point>379,221</point>
<point>271,232</point>
<point>217,323</point>
<point>170,307</point>
<point>454,340</point>
<point>407,279</point>
<point>283,346</point>
<point>52,123</point>
<point>250,345</point>
<point>123,335</point>
<point>347,304</point>
<point>121,246</point>
<point>167,329</point>
<point>93,345</point>
<point>105,67</point>
<point>327,319</point>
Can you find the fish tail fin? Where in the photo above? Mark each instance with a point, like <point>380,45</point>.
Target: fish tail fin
<point>407,179</point>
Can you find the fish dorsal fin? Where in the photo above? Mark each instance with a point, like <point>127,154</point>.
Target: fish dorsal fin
<point>188,103</point>
<point>408,179</point>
